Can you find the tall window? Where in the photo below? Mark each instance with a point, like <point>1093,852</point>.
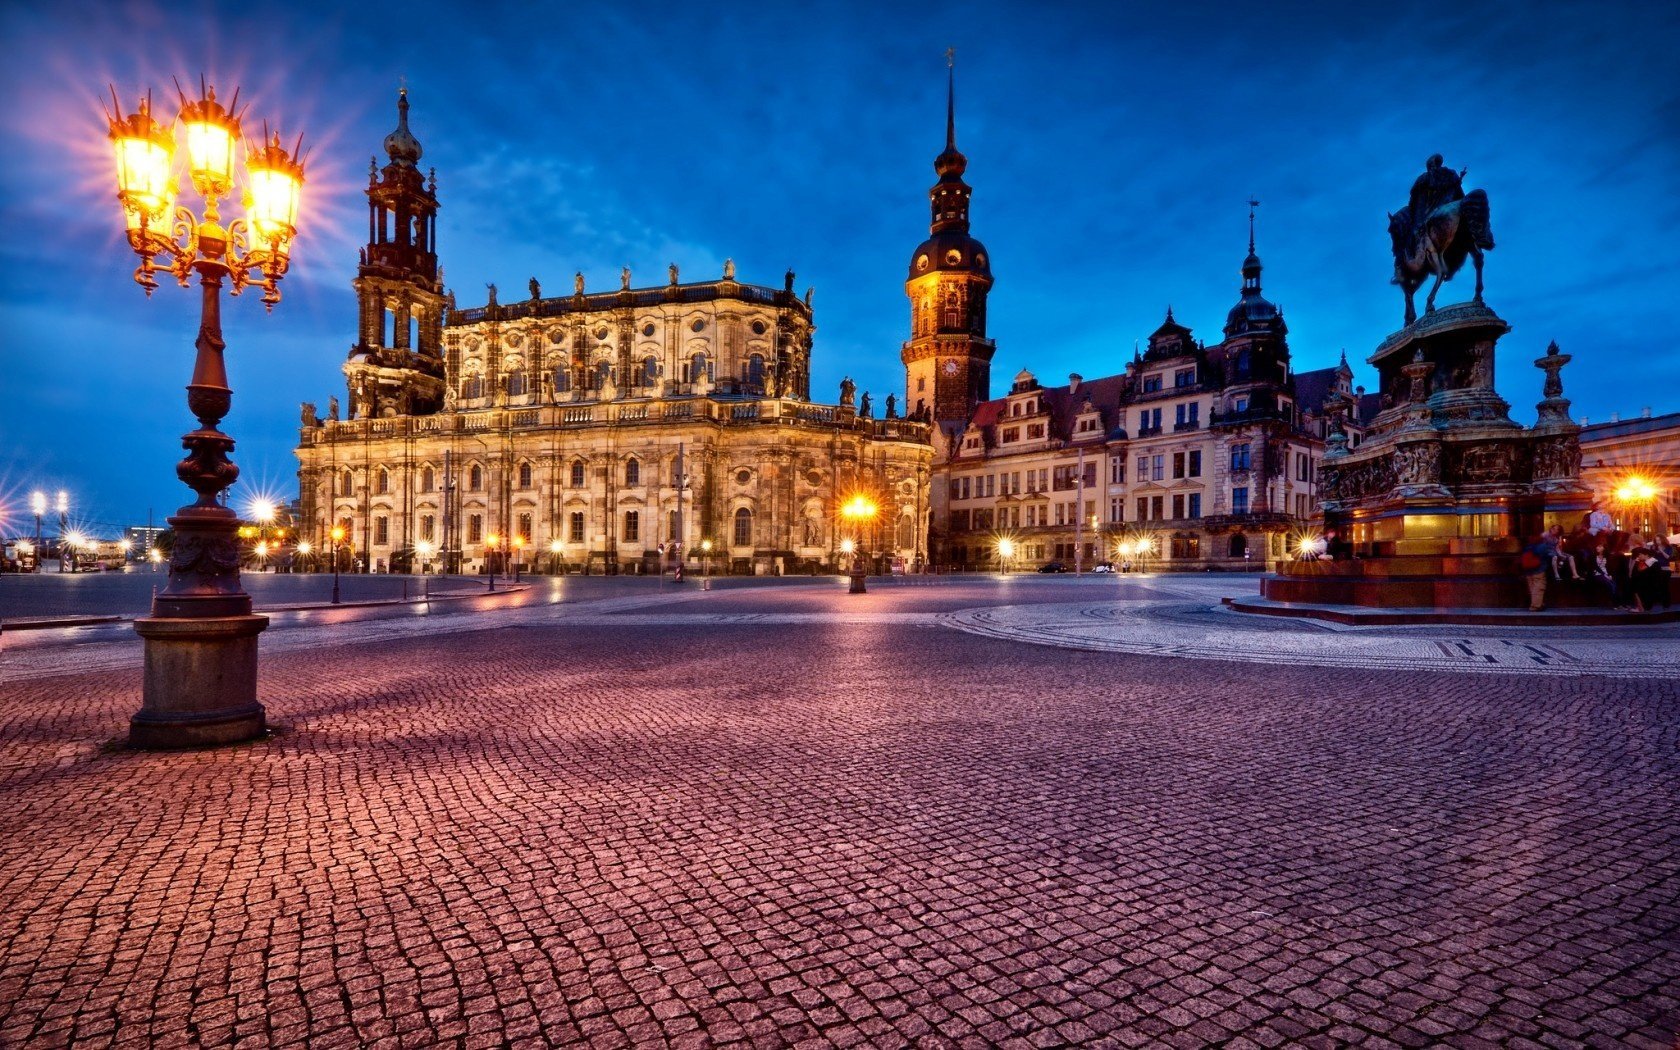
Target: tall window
<point>384,480</point>
<point>633,472</point>
<point>1195,504</point>
<point>1157,467</point>
<point>650,370</point>
<point>577,473</point>
<point>1143,508</point>
<point>1239,500</point>
<point>755,371</point>
<point>562,380</point>
<point>673,529</point>
<point>475,478</point>
<point>743,528</point>
<point>632,526</point>
<point>1196,463</point>
<point>575,527</point>
<point>428,526</point>
<point>1178,506</point>
<point>347,484</point>
<point>428,479</point>
<point>381,530</point>
<point>1178,464</point>
<point>516,384</point>
<point>697,368</point>
<point>524,529</point>
<point>475,528</point>
<point>524,475</point>
<point>1240,456</point>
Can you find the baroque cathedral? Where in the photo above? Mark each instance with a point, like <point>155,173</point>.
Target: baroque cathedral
<point>608,431</point>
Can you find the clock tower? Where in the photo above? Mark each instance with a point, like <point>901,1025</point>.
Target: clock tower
<point>948,359</point>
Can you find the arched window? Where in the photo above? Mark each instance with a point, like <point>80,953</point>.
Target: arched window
<point>603,374</point>
<point>428,479</point>
<point>755,371</point>
<point>524,475</point>
<point>347,484</point>
<point>906,533</point>
<point>475,478</point>
<point>1244,365</point>
<point>562,381</point>
<point>472,386</point>
<point>384,480</point>
<point>743,528</point>
<point>577,473</point>
<point>516,384</point>
<point>650,370</point>
<point>1239,545</point>
<point>697,368</point>
<point>633,472</point>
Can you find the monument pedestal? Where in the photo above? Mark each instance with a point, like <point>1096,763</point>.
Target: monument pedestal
<point>1436,503</point>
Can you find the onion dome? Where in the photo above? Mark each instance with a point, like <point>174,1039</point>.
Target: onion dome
<point>950,248</point>
<point>401,145</point>
<point>1253,312</point>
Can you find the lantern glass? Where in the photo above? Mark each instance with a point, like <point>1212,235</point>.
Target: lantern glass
<point>210,151</point>
<point>143,163</point>
<point>272,207</point>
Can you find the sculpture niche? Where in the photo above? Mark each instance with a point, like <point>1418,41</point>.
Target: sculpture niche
<point>1439,228</point>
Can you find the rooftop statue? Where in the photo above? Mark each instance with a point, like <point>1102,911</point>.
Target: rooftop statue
<point>1440,226</point>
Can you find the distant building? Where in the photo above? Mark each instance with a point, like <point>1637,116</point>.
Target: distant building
<point>1198,456</point>
<point>1634,466</point>
<point>591,430</point>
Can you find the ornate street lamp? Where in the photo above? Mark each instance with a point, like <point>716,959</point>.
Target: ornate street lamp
<point>38,504</point>
<point>860,511</point>
<point>201,639</point>
<point>337,534</point>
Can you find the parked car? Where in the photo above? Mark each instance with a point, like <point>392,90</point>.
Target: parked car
<point>1053,566</point>
<point>1103,566</point>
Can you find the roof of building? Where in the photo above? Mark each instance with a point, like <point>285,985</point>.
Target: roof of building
<point>700,292</point>
<point>1614,428</point>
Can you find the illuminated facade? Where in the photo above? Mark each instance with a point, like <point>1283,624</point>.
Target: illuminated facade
<point>1193,457</point>
<point>591,430</point>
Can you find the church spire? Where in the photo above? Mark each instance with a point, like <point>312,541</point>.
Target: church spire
<point>951,99</point>
<point>950,197</point>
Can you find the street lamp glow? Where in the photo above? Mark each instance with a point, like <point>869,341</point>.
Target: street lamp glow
<point>555,547</point>
<point>1006,548</point>
<point>38,503</point>
<point>263,510</point>
<point>337,534</point>
<point>154,555</point>
<point>304,547</point>
<point>63,502</point>
<point>1635,489</point>
<point>424,549</point>
<point>76,539</point>
<point>847,546</point>
<point>706,545</point>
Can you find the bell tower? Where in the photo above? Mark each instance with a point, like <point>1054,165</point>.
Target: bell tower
<point>948,359</point>
<point>396,366</point>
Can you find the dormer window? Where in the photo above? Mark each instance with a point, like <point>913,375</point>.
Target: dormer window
<point>1152,383</point>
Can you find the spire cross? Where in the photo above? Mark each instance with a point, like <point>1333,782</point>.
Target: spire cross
<point>1252,204</point>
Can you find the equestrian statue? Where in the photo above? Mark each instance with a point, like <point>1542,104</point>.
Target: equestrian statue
<point>1439,227</point>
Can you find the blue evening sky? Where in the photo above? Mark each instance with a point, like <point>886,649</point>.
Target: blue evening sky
<point>1111,149</point>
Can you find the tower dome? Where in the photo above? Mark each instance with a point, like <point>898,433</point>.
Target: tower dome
<point>401,145</point>
<point>1253,312</point>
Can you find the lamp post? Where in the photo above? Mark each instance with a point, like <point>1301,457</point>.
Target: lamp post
<point>859,510</point>
<point>555,547</point>
<point>1006,551</point>
<point>200,684</point>
<point>201,639</point>
<point>337,535</point>
<point>38,504</point>
<point>706,558</point>
<point>303,549</point>
<point>518,555</point>
<point>424,550</point>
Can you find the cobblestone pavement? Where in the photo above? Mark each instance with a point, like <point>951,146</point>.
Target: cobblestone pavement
<point>793,816</point>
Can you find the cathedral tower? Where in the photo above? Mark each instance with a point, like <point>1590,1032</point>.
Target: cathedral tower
<point>396,366</point>
<point>948,359</point>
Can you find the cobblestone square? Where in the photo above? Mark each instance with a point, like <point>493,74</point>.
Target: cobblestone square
<point>784,816</point>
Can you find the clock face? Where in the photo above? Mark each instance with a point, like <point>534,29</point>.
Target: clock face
<point>950,368</point>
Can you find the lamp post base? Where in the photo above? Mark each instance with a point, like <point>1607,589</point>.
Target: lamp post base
<point>857,584</point>
<point>200,683</point>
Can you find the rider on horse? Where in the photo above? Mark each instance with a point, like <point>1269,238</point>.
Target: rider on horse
<point>1437,185</point>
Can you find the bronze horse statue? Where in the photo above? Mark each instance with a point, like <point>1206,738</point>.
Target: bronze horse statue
<point>1451,233</point>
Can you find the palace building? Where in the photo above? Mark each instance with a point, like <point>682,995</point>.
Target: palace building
<point>598,431</point>
<point>1193,457</point>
